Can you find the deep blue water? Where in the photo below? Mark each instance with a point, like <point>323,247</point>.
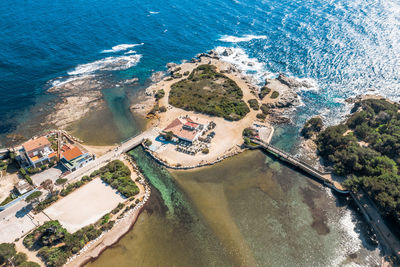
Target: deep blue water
<point>345,47</point>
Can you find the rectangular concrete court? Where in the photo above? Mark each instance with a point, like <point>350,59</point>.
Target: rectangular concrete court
<point>84,206</point>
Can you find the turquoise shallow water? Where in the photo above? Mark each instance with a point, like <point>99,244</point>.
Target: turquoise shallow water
<point>246,211</point>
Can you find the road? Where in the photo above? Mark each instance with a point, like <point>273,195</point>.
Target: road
<point>113,154</point>
<point>389,242</point>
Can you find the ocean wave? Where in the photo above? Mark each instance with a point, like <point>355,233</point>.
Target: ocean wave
<point>60,81</point>
<point>239,58</point>
<point>107,64</point>
<point>244,38</point>
<point>120,47</point>
<point>154,12</point>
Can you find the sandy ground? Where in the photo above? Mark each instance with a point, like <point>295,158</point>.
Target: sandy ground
<point>7,183</point>
<point>31,254</point>
<point>228,136</point>
<point>94,200</point>
<point>98,150</point>
<point>112,236</point>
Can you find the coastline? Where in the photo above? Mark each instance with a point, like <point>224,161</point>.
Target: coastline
<point>122,226</point>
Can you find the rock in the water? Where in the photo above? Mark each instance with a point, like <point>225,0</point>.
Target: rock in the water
<point>227,52</point>
<point>292,82</point>
<point>171,65</point>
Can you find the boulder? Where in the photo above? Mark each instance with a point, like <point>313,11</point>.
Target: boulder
<point>292,82</point>
<point>227,52</point>
<point>171,65</point>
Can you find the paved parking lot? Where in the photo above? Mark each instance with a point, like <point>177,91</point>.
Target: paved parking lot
<point>52,174</point>
<point>14,222</point>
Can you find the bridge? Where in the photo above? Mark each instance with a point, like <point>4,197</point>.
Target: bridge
<point>323,177</point>
<point>123,147</point>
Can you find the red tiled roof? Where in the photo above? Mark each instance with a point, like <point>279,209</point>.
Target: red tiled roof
<point>36,143</point>
<point>173,124</point>
<point>69,152</point>
<point>191,124</point>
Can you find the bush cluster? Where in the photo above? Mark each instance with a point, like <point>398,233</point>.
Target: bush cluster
<point>118,176</point>
<point>207,91</point>
<point>253,103</point>
<point>373,166</point>
<point>55,244</point>
<point>312,126</point>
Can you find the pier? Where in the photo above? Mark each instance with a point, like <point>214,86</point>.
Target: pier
<point>323,177</point>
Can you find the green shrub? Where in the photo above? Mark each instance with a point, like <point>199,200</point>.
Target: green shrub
<point>274,94</point>
<point>160,94</point>
<point>205,151</point>
<point>28,179</point>
<point>118,176</point>
<point>264,109</point>
<point>162,109</point>
<point>33,196</point>
<point>60,181</point>
<point>22,171</point>
<point>19,259</point>
<point>147,142</point>
<point>254,104</point>
<point>264,91</point>
<point>7,252</point>
<point>261,116</point>
<point>313,125</point>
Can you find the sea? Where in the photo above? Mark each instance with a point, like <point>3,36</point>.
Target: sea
<point>342,48</point>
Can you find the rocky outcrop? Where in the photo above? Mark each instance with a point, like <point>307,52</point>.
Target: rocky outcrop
<point>292,82</point>
<point>285,86</point>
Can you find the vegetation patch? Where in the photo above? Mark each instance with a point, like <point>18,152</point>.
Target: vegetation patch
<point>373,165</point>
<point>263,92</point>
<point>274,94</point>
<point>118,176</point>
<point>207,91</point>
<point>10,257</point>
<point>160,94</point>
<point>55,245</point>
<point>312,126</point>
<point>33,196</point>
<point>253,103</point>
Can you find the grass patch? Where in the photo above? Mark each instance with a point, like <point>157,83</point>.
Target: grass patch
<point>209,92</point>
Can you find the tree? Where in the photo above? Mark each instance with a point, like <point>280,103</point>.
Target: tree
<point>29,264</point>
<point>7,251</point>
<point>34,196</point>
<point>19,259</point>
<point>169,136</point>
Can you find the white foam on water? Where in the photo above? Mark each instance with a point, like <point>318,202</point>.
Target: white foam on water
<point>243,62</point>
<point>154,12</point>
<point>130,52</point>
<point>120,47</point>
<point>64,80</point>
<point>244,38</point>
<point>107,64</point>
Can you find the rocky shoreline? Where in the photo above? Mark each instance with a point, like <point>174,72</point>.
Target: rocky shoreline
<point>287,87</point>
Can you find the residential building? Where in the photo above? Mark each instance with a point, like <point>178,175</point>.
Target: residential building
<point>73,158</point>
<point>186,129</point>
<point>23,187</point>
<point>38,152</point>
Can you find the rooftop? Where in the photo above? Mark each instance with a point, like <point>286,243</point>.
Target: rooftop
<point>70,152</point>
<point>37,143</point>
